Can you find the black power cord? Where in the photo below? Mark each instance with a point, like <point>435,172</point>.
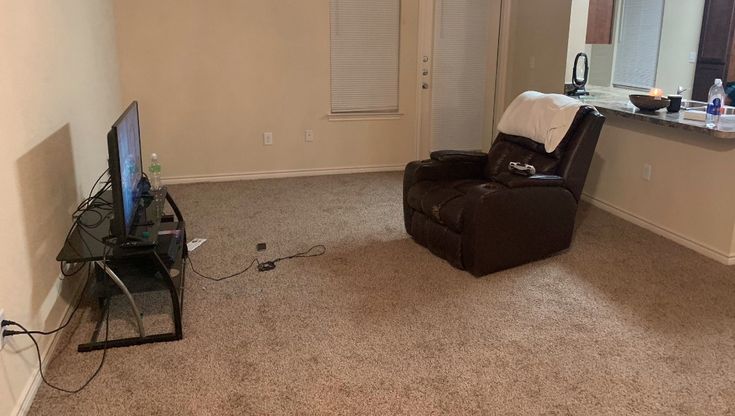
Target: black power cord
<point>265,266</point>
<point>31,334</point>
<point>89,204</point>
<point>73,312</point>
<point>93,203</point>
<point>24,331</point>
<point>270,265</point>
<point>219,279</point>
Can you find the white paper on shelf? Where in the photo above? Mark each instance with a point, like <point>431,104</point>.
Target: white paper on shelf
<point>195,243</point>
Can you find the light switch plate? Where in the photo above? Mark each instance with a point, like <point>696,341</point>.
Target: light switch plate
<point>647,171</point>
<point>267,138</point>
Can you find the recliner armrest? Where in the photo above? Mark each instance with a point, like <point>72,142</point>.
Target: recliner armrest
<point>445,170</point>
<point>459,156</point>
<point>518,181</point>
<point>436,170</point>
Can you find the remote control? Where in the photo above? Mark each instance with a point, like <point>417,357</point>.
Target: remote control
<point>522,169</point>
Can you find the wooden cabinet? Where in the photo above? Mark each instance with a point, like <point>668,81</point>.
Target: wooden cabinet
<point>715,40</point>
<point>600,22</point>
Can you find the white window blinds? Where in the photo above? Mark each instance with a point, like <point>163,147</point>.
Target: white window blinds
<point>639,34</point>
<point>364,39</point>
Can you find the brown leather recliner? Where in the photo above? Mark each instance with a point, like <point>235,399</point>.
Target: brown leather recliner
<point>468,208</point>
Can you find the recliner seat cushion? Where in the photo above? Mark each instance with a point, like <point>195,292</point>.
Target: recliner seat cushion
<point>444,201</point>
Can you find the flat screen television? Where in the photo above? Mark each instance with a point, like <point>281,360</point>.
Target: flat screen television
<point>123,145</point>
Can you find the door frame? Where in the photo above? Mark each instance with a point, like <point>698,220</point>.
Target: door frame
<point>423,97</point>
<point>495,104</point>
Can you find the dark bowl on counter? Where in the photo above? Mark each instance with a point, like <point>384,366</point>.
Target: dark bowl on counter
<point>648,102</point>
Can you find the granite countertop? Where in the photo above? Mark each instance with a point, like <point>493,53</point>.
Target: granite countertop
<point>616,103</point>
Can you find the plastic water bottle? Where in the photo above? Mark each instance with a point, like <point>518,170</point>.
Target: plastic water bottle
<point>715,104</point>
<point>155,173</point>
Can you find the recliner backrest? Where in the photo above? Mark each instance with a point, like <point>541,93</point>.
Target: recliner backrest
<point>508,148</point>
<point>570,160</point>
<point>578,153</point>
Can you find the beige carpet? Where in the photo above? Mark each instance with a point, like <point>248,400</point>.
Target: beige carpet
<point>625,322</point>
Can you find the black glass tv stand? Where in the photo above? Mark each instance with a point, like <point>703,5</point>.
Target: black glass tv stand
<point>154,262</point>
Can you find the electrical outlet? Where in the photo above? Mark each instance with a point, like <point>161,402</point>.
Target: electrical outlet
<point>267,138</point>
<point>692,57</point>
<point>309,135</point>
<point>2,330</point>
<point>532,62</point>
<point>647,171</point>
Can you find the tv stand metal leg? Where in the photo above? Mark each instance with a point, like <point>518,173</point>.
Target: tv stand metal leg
<point>125,291</point>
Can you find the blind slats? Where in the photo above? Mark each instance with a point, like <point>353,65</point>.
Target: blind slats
<point>364,61</point>
<point>636,58</point>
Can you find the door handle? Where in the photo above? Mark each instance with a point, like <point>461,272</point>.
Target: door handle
<point>425,85</point>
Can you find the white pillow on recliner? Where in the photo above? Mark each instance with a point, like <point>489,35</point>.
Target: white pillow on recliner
<point>543,118</point>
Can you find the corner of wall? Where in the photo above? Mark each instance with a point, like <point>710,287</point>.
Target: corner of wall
<point>60,62</point>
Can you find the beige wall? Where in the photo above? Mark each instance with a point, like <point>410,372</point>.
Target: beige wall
<point>690,193</point>
<point>537,46</point>
<point>211,77</point>
<point>61,93</point>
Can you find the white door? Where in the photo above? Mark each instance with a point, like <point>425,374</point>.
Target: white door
<point>458,61</point>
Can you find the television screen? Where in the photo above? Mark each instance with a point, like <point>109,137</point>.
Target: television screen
<point>125,169</point>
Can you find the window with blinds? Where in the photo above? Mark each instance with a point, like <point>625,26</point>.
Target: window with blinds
<point>639,34</point>
<point>365,37</point>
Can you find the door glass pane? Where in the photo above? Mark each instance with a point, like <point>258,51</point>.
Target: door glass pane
<point>461,32</point>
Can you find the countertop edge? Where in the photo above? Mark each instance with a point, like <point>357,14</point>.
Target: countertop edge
<point>655,118</point>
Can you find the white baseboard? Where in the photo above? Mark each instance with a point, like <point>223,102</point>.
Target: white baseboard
<point>699,247</point>
<point>29,392</point>
<point>271,174</point>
